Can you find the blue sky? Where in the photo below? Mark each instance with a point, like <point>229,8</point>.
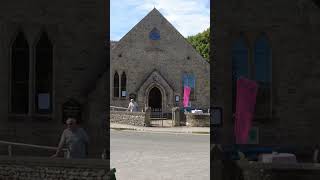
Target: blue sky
<point>189,17</point>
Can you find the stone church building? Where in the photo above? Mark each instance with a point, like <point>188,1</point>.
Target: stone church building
<point>152,63</point>
<point>275,43</point>
<point>52,64</point>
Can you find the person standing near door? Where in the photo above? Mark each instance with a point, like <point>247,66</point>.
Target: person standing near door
<point>133,106</point>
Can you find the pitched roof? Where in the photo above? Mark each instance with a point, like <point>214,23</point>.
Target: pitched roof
<point>113,44</point>
<point>154,14</point>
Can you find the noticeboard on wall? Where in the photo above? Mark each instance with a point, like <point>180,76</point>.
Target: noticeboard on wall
<point>216,116</point>
<point>123,93</point>
<point>177,98</point>
<point>44,101</point>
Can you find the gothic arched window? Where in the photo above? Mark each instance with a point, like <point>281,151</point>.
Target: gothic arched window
<point>116,85</point>
<point>123,85</point>
<point>239,64</point>
<point>239,59</point>
<point>20,75</point>
<point>262,75</point>
<point>262,61</point>
<point>43,75</point>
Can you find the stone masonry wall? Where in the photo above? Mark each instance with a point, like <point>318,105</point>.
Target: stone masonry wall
<point>295,66</point>
<point>198,120</point>
<point>229,170</point>
<point>33,168</point>
<point>77,31</point>
<point>131,118</point>
<point>171,56</point>
<point>260,171</point>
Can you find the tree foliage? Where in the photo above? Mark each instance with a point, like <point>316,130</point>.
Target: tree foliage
<point>201,42</point>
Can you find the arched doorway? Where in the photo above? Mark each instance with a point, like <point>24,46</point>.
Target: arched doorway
<point>155,99</point>
<point>155,102</point>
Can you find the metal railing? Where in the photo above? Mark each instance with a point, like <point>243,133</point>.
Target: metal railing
<point>10,144</point>
<point>116,108</point>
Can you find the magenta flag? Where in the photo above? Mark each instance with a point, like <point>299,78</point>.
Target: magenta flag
<point>186,94</point>
<point>245,105</point>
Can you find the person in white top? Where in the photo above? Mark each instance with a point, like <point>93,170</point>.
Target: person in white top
<point>76,140</point>
<point>133,106</point>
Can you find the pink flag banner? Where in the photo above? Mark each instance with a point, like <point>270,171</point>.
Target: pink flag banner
<point>186,94</point>
<point>245,106</point>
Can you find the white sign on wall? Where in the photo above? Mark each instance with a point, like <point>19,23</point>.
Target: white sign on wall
<point>216,116</point>
<point>177,98</point>
<point>44,101</point>
<point>123,93</point>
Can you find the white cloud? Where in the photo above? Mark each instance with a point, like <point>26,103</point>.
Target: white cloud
<point>188,16</point>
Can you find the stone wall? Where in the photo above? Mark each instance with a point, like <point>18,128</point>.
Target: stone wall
<point>198,120</point>
<point>131,118</point>
<point>295,66</point>
<point>229,170</point>
<point>161,63</point>
<point>77,30</point>
<point>33,168</point>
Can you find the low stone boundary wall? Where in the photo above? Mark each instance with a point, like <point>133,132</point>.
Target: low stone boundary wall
<point>198,120</point>
<point>247,170</point>
<point>131,118</point>
<point>37,168</point>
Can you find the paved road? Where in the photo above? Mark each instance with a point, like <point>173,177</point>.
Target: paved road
<point>160,156</point>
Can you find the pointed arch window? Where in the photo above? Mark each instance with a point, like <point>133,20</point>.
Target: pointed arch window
<point>123,85</point>
<point>43,75</point>
<point>239,65</point>
<point>20,75</point>
<point>116,85</point>
<point>262,61</point>
<point>262,75</point>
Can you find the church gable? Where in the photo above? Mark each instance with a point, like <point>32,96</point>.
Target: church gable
<point>155,34</point>
<point>156,56</point>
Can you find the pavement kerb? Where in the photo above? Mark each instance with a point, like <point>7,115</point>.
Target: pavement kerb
<point>185,130</point>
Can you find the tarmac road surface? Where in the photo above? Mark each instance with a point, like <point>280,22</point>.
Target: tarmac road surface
<point>159,156</point>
